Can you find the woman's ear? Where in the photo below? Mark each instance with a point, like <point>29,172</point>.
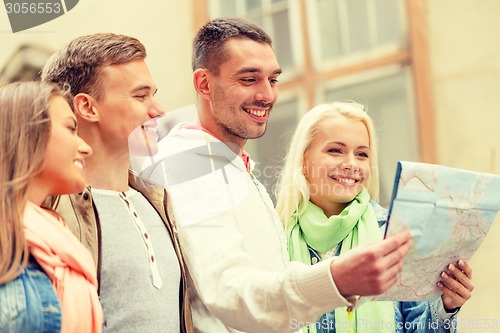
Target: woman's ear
<point>201,78</point>
<point>85,107</point>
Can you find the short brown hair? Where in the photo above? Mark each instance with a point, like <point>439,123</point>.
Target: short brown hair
<point>209,43</point>
<point>79,64</point>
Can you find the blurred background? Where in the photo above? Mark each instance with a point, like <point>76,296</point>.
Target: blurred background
<point>427,70</point>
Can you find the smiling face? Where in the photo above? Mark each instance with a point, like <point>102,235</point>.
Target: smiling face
<point>244,91</point>
<point>128,109</point>
<point>65,153</point>
<point>337,163</point>
<point>143,141</point>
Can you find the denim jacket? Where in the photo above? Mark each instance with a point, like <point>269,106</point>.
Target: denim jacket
<point>29,303</point>
<point>429,317</point>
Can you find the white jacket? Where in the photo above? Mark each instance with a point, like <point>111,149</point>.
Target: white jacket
<point>233,242</point>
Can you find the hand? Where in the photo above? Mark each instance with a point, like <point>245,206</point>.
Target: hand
<point>371,269</point>
<point>456,285</point>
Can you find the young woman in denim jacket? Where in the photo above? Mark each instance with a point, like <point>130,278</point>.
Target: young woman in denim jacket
<point>47,278</point>
<point>327,198</point>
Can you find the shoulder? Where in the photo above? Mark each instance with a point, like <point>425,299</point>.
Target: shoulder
<point>26,301</point>
<point>152,191</point>
<point>181,138</point>
<point>74,208</point>
<point>182,148</point>
<point>14,297</point>
<point>81,217</point>
<point>142,184</point>
<point>380,213</point>
<point>70,202</point>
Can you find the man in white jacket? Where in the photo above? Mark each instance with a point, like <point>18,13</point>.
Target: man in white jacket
<point>234,244</point>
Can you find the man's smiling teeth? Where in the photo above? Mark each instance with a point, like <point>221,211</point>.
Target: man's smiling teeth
<point>257,113</point>
<point>149,128</point>
<point>78,164</point>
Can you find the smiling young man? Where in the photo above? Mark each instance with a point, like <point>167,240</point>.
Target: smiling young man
<point>121,219</point>
<point>232,239</point>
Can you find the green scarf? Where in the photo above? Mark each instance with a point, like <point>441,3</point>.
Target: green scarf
<point>355,225</point>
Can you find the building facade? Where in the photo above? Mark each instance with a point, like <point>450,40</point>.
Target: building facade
<point>428,72</point>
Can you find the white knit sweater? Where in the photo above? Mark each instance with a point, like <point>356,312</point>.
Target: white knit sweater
<point>240,278</point>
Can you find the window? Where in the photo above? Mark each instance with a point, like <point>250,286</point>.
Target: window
<point>349,50</point>
<point>355,29</point>
<point>273,16</point>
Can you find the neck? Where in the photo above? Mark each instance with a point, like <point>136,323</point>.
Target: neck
<point>237,148</point>
<point>329,208</point>
<point>37,193</point>
<point>107,172</point>
<point>107,167</point>
<point>235,143</point>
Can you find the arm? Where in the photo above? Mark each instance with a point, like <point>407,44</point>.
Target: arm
<point>252,295</point>
<point>456,285</point>
<point>425,317</point>
<point>235,251</point>
<point>247,293</point>
<point>371,269</point>
<point>440,315</point>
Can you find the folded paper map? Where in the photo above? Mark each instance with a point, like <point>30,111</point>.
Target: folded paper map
<point>449,212</point>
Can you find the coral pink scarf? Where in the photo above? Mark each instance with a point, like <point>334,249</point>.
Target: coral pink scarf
<point>70,267</point>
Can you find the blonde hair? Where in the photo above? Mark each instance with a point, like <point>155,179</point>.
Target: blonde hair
<point>293,189</point>
<point>24,133</point>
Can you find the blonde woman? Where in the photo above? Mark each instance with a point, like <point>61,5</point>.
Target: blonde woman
<point>327,197</point>
<point>47,278</point>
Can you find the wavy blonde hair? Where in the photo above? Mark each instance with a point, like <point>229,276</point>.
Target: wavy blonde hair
<point>24,133</point>
<point>293,189</point>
